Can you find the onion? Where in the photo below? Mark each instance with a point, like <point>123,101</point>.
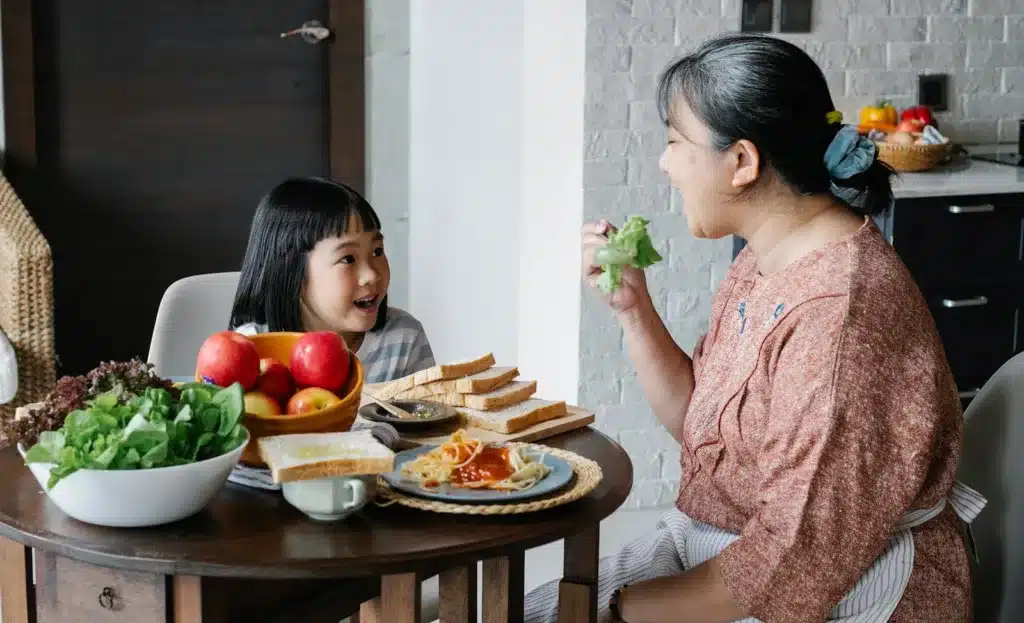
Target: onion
<point>900,138</point>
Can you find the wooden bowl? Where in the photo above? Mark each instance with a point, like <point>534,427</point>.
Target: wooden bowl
<point>335,419</point>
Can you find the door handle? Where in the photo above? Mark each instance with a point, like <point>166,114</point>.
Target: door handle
<point>968,393</point>
<point>312,32</point>
<point>977,209</point>
<point>977,301</point>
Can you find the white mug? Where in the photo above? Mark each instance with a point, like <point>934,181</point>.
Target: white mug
<point>330,499</point>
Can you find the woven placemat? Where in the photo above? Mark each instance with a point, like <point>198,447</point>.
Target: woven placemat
<point>586,476</point>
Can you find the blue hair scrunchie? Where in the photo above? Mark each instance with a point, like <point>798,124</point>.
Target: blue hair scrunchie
<point>849,153</point>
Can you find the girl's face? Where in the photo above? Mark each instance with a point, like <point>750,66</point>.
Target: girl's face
<point>347,277</point>
<point>708,180</point>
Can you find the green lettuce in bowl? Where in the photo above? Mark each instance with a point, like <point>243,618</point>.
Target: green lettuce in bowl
<point>148,431</point>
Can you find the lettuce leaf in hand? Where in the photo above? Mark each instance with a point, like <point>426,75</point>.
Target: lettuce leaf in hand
<point>629,246</point>
<point>146,431</point>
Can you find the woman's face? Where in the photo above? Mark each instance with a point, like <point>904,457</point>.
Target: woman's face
<point>347,277</point>
<point>707,179</point>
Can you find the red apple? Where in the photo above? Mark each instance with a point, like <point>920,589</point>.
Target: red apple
<point>275,379</point>
<point>311,399</point>
<point>320,359</point>
<point>227,357</point>
<point>261,404</point>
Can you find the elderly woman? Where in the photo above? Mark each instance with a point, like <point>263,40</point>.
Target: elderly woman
<point>819,421</point>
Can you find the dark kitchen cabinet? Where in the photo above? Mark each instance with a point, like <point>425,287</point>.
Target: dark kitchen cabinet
<point>959,241</point>
<point>966,253</point>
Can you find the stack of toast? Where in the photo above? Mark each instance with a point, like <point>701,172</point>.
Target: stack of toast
<point>487,396</point>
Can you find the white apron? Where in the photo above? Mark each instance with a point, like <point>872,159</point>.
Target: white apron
<point>877,593</point>
<point>681,542</point>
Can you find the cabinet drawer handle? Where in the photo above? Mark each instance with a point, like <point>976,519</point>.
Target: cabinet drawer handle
<point>985,207</point>
<point>977,301</point>
<point>969,393</point>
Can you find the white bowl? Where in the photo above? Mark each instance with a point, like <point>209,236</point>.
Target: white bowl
<point>330,499</point>
<point>134,498</point>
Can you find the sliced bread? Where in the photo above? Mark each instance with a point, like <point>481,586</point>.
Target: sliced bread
<point>479,383</point>
<point>323,455</point>
<point>511,394</point>
<point>516,417</point>
<point>440,372</point>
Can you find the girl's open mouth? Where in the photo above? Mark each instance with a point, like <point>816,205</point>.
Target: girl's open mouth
<point>367,303</point>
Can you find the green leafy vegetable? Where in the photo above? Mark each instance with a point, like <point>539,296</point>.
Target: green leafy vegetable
<point>145,431</point>
<point>629,246</point>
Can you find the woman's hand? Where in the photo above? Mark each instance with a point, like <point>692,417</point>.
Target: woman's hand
<point>633,288</point>
<point>664,371</point>
<point>698,595</point>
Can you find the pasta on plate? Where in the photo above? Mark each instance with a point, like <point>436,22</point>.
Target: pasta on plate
<point>467,463</point>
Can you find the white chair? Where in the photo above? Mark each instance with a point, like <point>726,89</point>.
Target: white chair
<point>190,310</point>
<point>993,463</point>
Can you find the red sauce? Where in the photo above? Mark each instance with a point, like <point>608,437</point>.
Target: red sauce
<point>490,465</point>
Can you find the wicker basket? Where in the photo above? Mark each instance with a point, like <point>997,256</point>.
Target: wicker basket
<point>26,300</point>
<point>910,158</point>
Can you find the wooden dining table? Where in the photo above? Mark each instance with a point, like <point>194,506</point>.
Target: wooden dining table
<point>234,560</point>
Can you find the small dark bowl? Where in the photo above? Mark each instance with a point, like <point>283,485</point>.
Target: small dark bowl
<point>440,414</point>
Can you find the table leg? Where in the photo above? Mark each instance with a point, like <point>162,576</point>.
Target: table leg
<point>399,601</point>
<point>577,593</point>
<point>457,590</point>
<point>503,589</point>
<point>193,601</point>
<point>17,593</point>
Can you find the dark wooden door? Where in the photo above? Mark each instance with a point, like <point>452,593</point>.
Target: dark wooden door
<point>157,127</point>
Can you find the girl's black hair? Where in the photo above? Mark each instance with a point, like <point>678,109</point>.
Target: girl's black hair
<point>289,221</point>
<point>770,92</point>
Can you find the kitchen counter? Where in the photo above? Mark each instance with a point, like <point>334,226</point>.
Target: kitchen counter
<point>963,176</point>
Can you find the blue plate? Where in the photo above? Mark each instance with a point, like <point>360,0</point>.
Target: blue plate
<point>560,475</point>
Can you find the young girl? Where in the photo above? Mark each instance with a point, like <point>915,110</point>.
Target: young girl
<point>315,262</point>
<point>818,420</point>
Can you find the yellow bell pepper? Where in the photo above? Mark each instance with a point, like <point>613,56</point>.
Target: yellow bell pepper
<point>882,113</point>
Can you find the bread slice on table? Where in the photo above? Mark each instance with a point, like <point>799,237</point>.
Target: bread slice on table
<point>440,372</point>
<point>388,390</point>
<point>479,383</point>
<point>516,417</point>
<point>306,456</point>
<point>506,396</point>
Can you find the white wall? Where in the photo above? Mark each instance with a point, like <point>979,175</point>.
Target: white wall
<point>387,133</point>
<point>496,143</point>
<point>552,201</point>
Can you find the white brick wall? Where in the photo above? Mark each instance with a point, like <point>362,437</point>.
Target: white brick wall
<point>867,48</point>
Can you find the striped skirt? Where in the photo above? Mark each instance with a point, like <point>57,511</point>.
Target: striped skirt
<point>681,542</point>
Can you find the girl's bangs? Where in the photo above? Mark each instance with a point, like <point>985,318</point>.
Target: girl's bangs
<point>337,221</point>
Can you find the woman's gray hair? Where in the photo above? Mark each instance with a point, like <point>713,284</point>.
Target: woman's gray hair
<point>770,92</point>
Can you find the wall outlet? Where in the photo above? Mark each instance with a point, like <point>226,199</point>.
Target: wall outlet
<point>933,91</point>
